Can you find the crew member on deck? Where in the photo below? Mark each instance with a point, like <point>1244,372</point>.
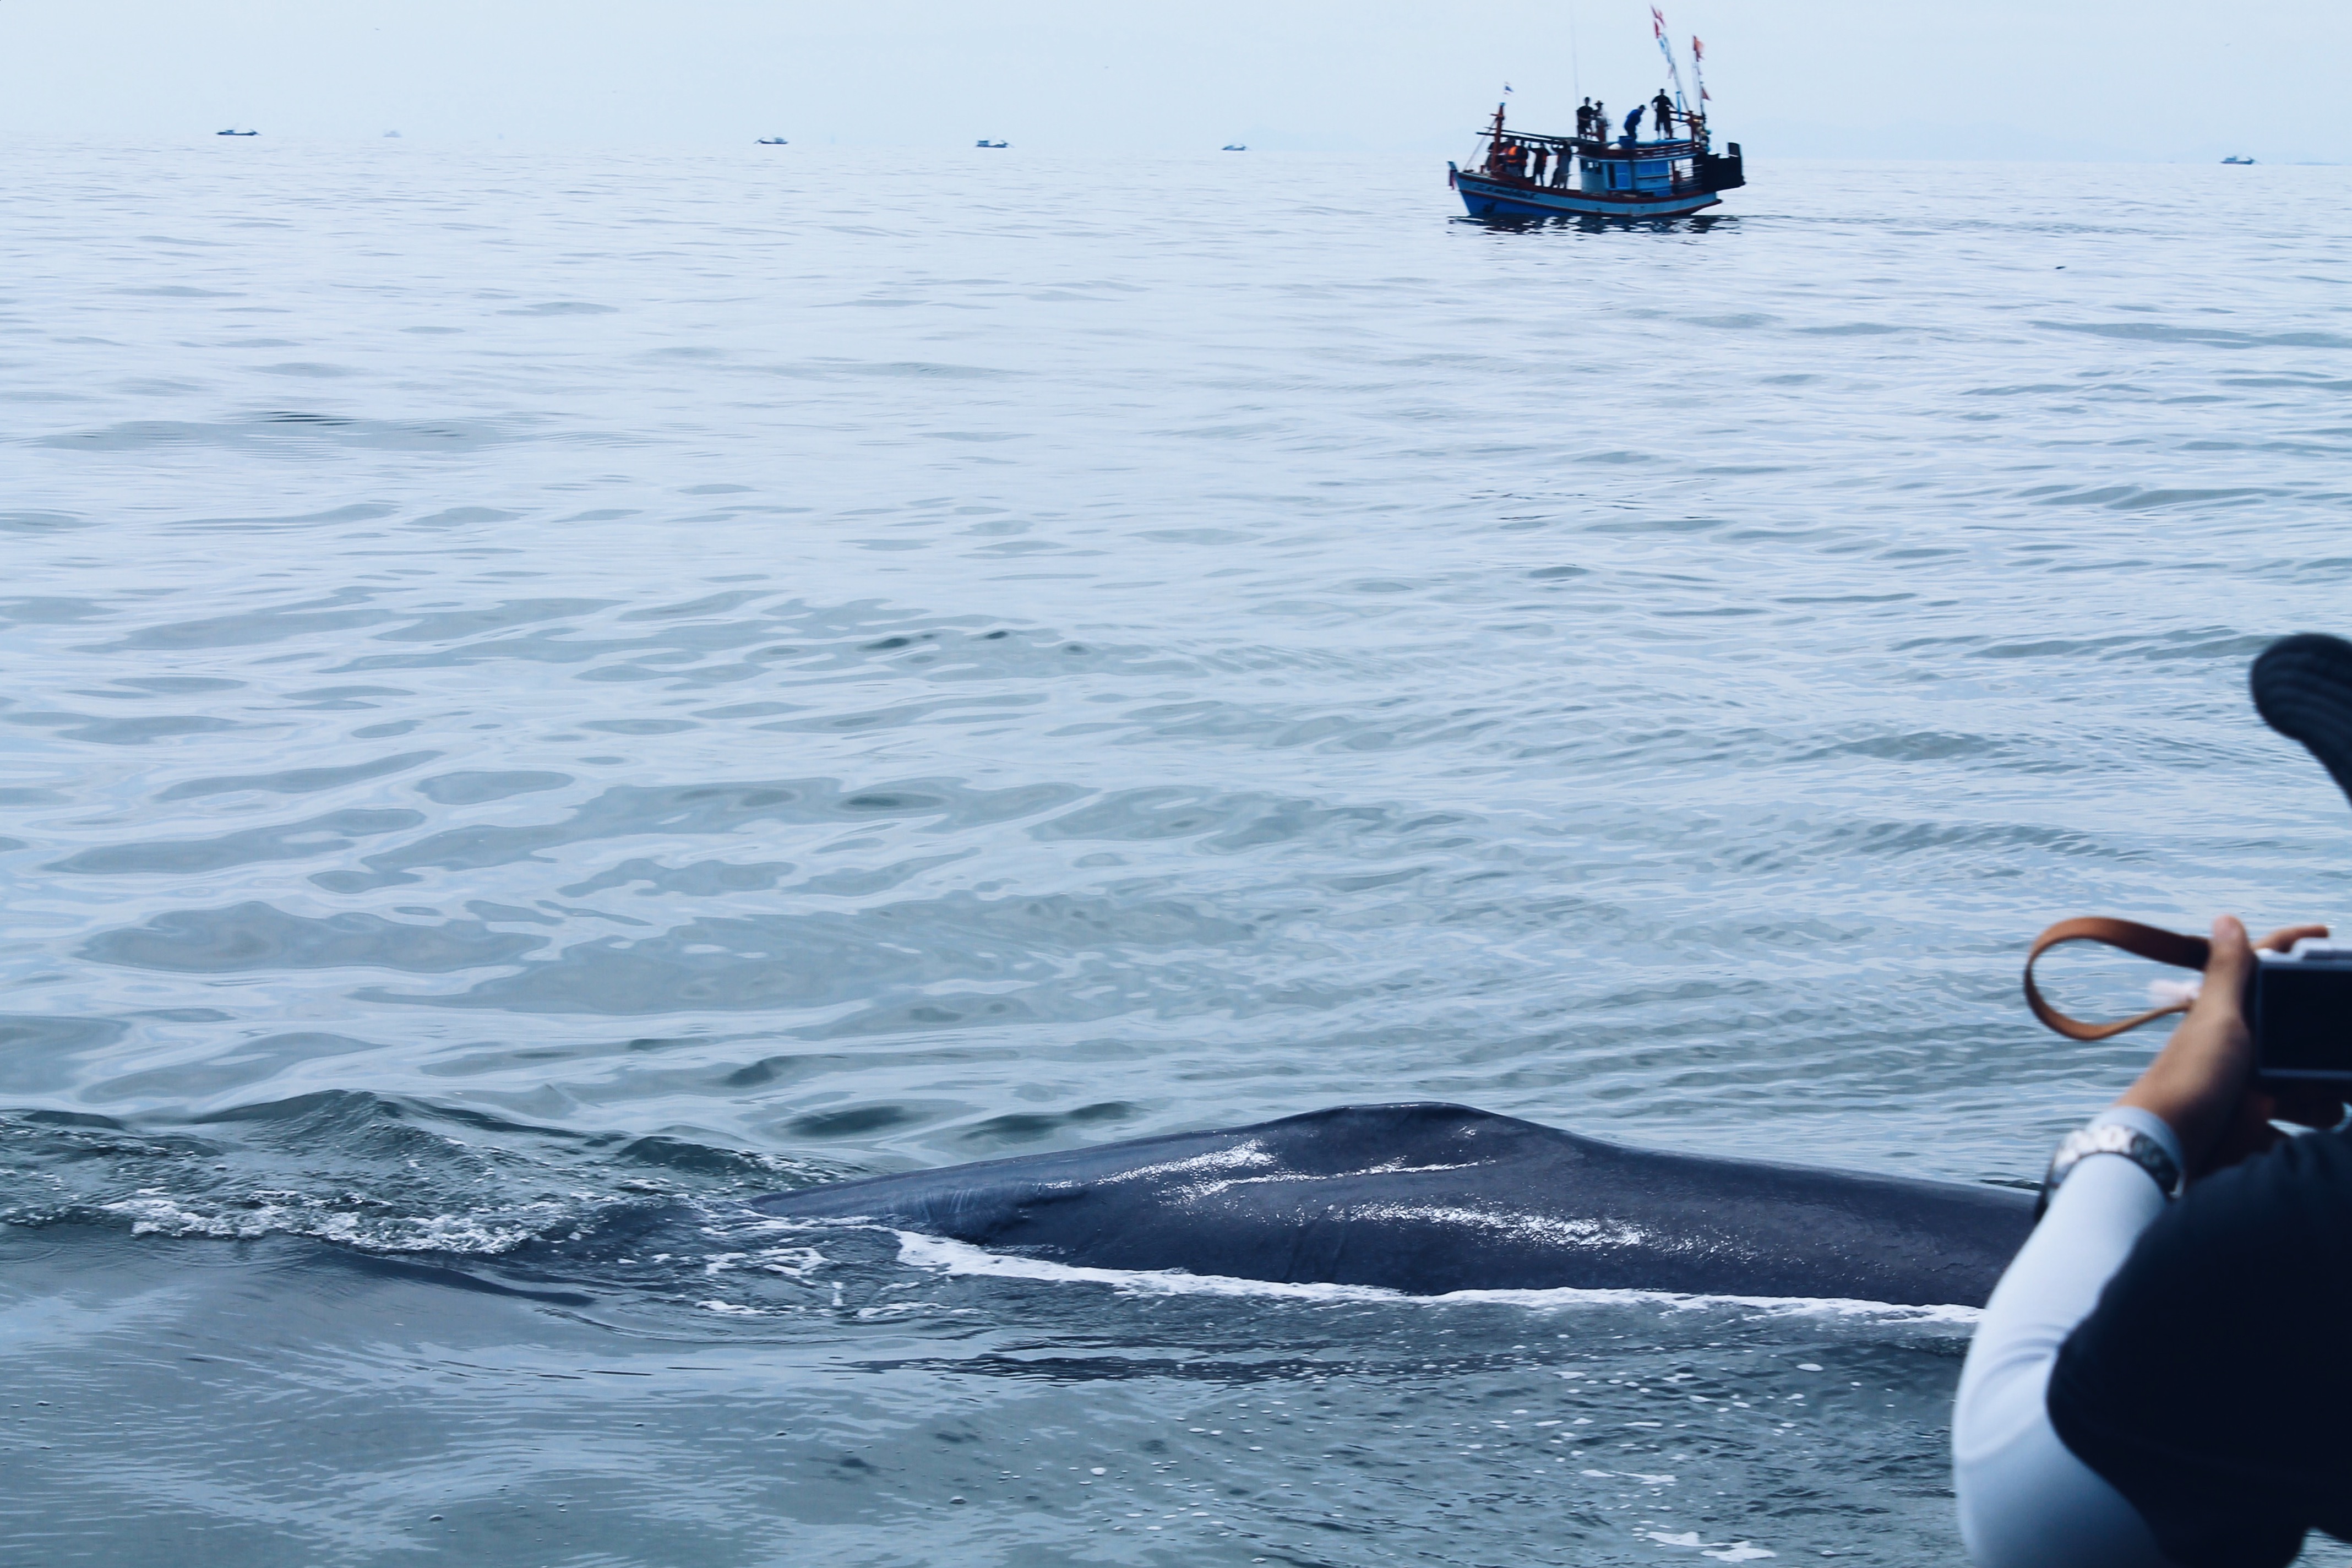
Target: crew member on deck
<point>1662,112</point>
<point>1584,122</point>
<point>1632,126</point>
<point>1560,172</point>
<point>1543,155</point>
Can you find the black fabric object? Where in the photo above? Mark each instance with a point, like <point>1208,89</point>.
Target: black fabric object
<point>2212,1383</point>
<point>2303,688</point>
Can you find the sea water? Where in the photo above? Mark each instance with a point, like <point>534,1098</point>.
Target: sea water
<point>549,692</point>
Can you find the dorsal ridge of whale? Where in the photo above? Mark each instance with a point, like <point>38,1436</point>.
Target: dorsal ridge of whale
<point>1429,1198</point>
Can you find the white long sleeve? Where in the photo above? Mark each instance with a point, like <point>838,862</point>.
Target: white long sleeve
<point>2025,1500</point>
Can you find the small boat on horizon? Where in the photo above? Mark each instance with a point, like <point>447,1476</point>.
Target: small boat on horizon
<point>1234,147</point>
<point>237,133</point>
<point>773,141</point>
<point>985,141</point>
<point>1594,175</point>
<point>2236,160</point>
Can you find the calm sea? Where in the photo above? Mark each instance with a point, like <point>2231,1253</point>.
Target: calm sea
<point>549,691</point>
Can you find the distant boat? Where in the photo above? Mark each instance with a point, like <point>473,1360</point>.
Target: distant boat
<point>2236,160</point>
<point>985,141</point>
<point>393,133</point>
<point>773,141</point>
<point>237,133</point>
<point>1234,147</point>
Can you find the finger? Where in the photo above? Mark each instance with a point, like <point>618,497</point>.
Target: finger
<point>2286,937</point>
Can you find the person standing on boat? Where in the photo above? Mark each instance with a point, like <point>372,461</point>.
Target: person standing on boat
<point>1600,122</point>
<point>1543,155</point>
<point>1662,112</point>
<point>1632,126</point>
<point>1584,122</point>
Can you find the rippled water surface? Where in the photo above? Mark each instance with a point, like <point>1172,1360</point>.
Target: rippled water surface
<point>549,692</point>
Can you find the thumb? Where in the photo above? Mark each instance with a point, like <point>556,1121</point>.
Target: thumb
<point>2229,963</point>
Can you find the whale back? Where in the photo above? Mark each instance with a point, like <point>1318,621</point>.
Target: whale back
<point>1432,1198</point>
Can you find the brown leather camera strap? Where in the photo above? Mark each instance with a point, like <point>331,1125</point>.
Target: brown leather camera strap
<point>2141,942</point>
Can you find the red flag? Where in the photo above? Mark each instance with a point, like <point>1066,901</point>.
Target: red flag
<point>1698,50</point>
<point>1657,23</point>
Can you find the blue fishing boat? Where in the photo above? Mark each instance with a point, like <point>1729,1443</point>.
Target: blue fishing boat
<point>1596,174</point>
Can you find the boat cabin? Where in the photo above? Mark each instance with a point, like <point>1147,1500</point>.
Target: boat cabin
<point>1665,169</point>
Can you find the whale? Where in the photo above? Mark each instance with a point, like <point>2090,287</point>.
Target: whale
<point>1432,1199</point>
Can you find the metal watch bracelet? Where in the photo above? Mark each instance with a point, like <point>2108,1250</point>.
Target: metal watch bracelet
<point>2110,1138</point>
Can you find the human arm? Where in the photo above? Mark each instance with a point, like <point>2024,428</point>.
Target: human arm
<point>2026,1500</point>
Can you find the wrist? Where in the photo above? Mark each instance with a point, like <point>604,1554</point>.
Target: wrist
<point>2123,1132</point>
<point>2148,1122</point>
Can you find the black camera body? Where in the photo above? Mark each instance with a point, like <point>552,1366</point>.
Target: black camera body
<point>2300,1010</point>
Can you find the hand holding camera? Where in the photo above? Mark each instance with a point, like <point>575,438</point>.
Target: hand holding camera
<point>2214,1083</point>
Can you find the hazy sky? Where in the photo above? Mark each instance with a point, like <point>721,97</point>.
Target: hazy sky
<point>2190,80</point>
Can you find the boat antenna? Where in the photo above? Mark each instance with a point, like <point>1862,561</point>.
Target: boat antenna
<point>1658,30</point>
<point>1575,56</point>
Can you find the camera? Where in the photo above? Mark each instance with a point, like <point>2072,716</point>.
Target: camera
<point>2300,1010</point>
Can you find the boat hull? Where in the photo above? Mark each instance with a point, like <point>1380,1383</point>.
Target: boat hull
<point>1497,198</point>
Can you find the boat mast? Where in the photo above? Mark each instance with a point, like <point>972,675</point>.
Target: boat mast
<point>1658,31</point>
<point>1575,58</point>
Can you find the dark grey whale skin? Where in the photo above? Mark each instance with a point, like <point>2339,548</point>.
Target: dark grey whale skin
<point>1429,1198</point>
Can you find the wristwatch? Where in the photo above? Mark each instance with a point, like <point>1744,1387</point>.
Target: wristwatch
<point>2110,1138</point>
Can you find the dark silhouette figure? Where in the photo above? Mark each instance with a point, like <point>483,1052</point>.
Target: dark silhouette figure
<point>1662,113</point>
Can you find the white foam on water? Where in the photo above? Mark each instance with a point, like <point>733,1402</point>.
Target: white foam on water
<point>793,1262</point>
<point>1733,1552</point>
<point>957,1258</point>
<point>154,1214</point>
